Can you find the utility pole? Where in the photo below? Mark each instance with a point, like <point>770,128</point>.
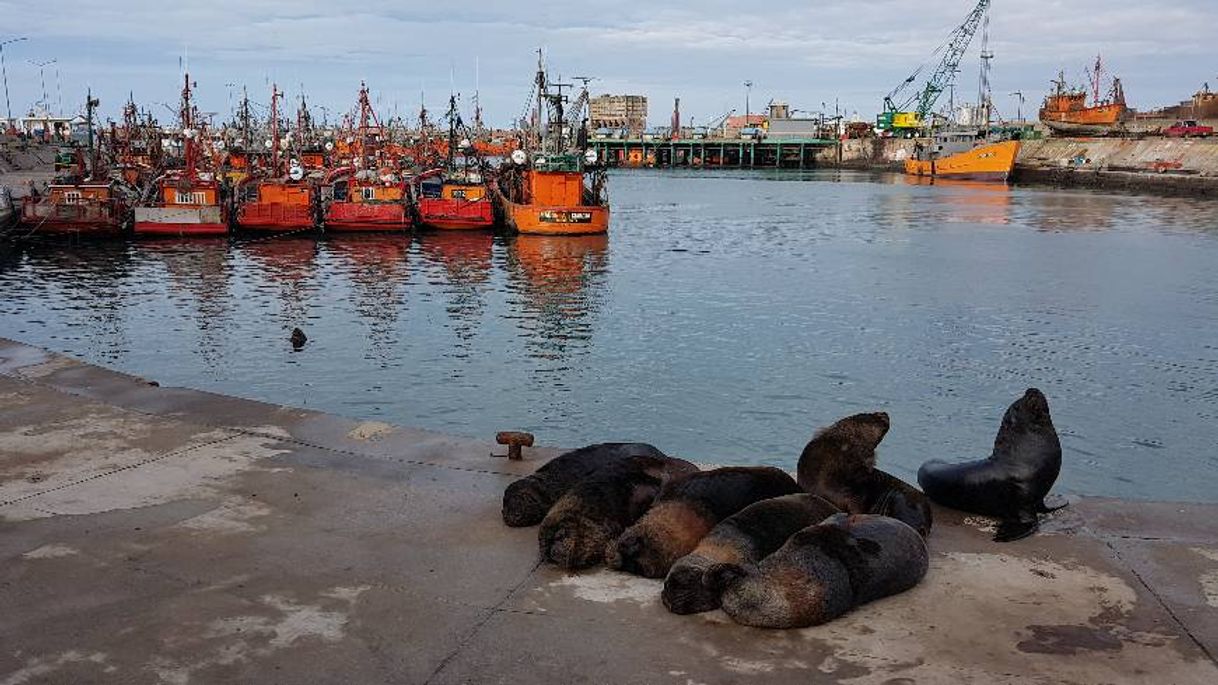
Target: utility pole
<point>41,77</point>
<point>7,104</point>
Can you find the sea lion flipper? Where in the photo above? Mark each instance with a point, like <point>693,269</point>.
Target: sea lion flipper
<point>1044,508</point>
<point>1010,530</point>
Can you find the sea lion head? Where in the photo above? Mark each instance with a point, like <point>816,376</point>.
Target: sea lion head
<point>525,503</point>
<point>779,598</point>
<point>574,542</point>
<point>685,591</point>
<point>852,440</point>
<point>650,547</point>
<point>1030,410</point>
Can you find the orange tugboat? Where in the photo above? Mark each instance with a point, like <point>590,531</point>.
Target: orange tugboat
<point>546,192</point>
<point>188,201</point>
<point>1066,109</point>
<point>283,202</point>
<point>85,203</point>
<point>454,197</point>
<point>369,195</point>
<point>959,155</point>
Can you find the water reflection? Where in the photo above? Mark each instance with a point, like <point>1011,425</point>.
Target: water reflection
<point>198,277</point>
<point>288,265</point>
<point>460,263</point>
<point>377,268</point>
<point>558,280</point>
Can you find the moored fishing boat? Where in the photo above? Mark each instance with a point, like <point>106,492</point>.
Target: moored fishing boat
<point>962,155</point>
<point>455,197</point>
<point>281,200</point>
<point>557,189</point>
<point>85,202</point>
<point>368,194</point>
<point>188,201</point>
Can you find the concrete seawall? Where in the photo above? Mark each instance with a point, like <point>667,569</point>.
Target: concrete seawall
<point>166,535</point>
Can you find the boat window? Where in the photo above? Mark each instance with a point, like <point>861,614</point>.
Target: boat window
<point>71,197</point>
<point>189,198</point>
<point>369,193</point>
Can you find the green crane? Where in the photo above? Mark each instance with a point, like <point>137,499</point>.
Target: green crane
<point>912,112</point>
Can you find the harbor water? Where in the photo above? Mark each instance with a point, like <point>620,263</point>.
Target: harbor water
<point>725,317</point>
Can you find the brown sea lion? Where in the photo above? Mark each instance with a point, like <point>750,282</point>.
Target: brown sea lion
<point>744,538</point>
<point>822,572</point>
<point>839,465</point>
<point>1012,482</point>
<point>582,523</point>
<point>687,509</point>
<point>526,501</point>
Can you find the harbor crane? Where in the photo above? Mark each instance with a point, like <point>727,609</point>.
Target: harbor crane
<point>911,113</point>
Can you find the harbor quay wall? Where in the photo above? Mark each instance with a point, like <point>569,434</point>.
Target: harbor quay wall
<point>1170,165</point>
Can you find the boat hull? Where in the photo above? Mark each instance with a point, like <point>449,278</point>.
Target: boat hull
<point>180,221</point>
<point>366,217</point>
<point>42,218</point>
<point>274,217</point>
<point>992,162</point>
<point>455,214</point>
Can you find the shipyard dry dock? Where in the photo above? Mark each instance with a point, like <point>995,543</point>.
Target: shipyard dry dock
<point>160,535</point>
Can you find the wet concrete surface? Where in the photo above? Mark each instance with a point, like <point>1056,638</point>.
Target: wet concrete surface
<point>162,535</point>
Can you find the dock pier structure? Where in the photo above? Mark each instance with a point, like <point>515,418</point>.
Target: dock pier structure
<point>781,153</point>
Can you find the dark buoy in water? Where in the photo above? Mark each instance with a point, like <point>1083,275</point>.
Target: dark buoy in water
<point>298,338</point>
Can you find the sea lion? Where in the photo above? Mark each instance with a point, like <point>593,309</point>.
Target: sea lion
<point>687,509</point>
<point>526,501</point>
<point>822,572</point>
<point>744,538</point>
<point>590,516</point>
<point>839,465</point>
<point>1012,482</point>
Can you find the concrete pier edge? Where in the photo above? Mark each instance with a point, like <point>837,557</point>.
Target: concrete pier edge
<point>167,535</point>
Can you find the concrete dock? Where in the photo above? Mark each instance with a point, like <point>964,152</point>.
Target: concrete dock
<point>165,535</point>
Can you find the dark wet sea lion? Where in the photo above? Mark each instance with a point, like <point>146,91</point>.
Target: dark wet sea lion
<point>822,572</point>
<point>1012,482</point>
<point>526,501</point>
<point>585,521</point>
<point>687,509</point>
<point>744,538</point>
<point>839,465</point>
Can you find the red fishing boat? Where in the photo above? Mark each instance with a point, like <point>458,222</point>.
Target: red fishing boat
<point>456,196</point>
<point>369,194</point>
<point>188,202</point>
<point>86,202</point>
<point>284,199</point>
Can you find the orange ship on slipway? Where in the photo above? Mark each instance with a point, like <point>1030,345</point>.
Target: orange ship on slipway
<point>961,155</point>
<point>1066,109</point>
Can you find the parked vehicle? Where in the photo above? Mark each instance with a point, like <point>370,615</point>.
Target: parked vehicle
<point>1188,128</point>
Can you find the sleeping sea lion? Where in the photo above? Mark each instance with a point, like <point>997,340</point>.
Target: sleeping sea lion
<point>744,538</point>
<point>526,501</point>
<point>839,465</point>
<point>686,510</point>
<point>822,572</point>
<point>1012,482</point>
<point>585,521</point>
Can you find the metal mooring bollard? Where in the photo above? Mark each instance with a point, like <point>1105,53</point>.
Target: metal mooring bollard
<point>514,440</point>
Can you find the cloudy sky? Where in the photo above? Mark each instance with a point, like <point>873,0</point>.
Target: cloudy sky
<point>806,52</point>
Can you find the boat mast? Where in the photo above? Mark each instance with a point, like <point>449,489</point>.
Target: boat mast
<point>91,104</point>
<point>452,131</point>
<point>188,133</point>
<point>541,97</point>
<point>275,129</point>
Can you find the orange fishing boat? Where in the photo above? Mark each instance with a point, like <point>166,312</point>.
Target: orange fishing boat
<point>961,155</point>
<point>282,202</point>
<point>556,190</point>
<point>1066,109</point>
<point>188,201</point>
<point>455,197</point>
<point>86,202</point>
<point>368,195</point>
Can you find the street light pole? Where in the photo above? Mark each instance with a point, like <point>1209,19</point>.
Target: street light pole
<point>42,78</point>
<point>748,88</point>
<point>1019,113</point>
<point>7,105</point>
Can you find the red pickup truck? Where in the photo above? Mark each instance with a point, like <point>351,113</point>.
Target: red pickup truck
<point>1188,128</point>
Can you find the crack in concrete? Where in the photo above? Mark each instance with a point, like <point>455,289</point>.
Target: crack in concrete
<point>469,636</point>
<point>120,469</point>
<point>1162,603</point>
